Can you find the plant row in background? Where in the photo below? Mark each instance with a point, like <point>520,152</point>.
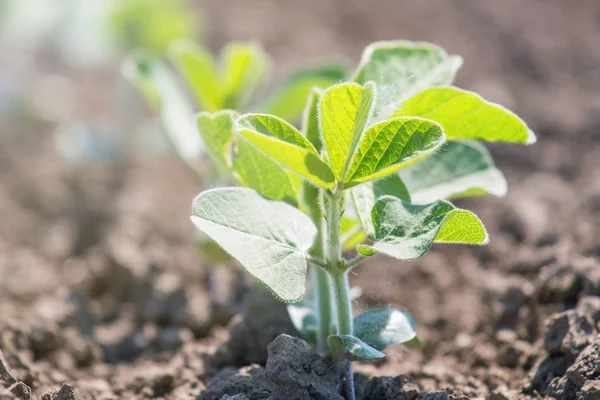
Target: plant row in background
<point>377,155</point>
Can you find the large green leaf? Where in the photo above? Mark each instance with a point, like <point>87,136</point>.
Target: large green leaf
<point>365,196</point>
<point>466,115</point>
<point>407,231</point>
<point>310,119</point>
<point>245,65</point>
<point>217,132</point>
<point>359,349</point>
<point>344,112</point>
<point>156,82</point>
<point>390,145</point>
<point>200,70</point>
<point>269,238</point>
<point>289,98</point>
<point>384,326</point>
<point>284,144</point>
<point>253,169</point>
<point>458,169</point>
<point>401,69</point>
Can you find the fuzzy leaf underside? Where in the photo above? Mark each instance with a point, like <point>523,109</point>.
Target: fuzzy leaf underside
<point>159,86</point>
<point>200,70</point>
<point>458,169</point>
<point>344,111</point>
<point>401,69</point>
<point>253,169</point>
<point>270,239</point>
<point>289,98</point>
<point>384,326</point>
<point>365,196</point>
<point>283,143</point>
<point>390,145</point>
<point>406,231</point>
<point>217,133</point>
<point>466,115</point>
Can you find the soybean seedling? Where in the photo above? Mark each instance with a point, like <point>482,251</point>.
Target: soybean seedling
<point>399,131</point>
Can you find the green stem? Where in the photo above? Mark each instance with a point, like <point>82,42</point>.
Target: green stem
<point>322,281</point>
<point>339,277</point>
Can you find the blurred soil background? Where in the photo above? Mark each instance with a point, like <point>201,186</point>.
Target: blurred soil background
<point>101,285</point>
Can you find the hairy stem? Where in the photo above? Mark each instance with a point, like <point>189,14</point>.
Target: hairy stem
<point>339,277</point>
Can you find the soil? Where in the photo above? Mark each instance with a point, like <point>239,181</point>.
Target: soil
<point>103,294</point>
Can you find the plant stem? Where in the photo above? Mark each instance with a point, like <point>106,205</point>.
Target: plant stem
<point>339,277</point>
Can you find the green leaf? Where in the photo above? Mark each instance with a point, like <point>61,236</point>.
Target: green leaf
<point>458,169</point>
<point>344,113</point>
<point>383,327</point>
<point>269,238</point>
<point>365,196</point>
<point>359,349</point>
<point>302,314</point>
<point>390,145</point>
<point>199,68</point>
<point>401,69</point>
<point>407,231</point>
<point>310,119</point>
<point>253,169</point>
<point>287,102</point>
<point>245,65</point>
<point>284,144</point>
<point>351,233</point>
<point>466,115</point>
<point>217,132</point>
<point>158,85</point>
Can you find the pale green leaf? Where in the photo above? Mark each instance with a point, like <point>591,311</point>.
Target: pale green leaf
<point>284,144</point>
<point>344,111</point>
<point>351,233</point>
<point>458,169</point>
<point>156,82</point>
<point>217,132</point>
<point>407,231</point>
<point>255,170</point>
<point>401,69</point>
<point>364,197</point>
<point>269,238</point>
<point>359,349</point>
<point>390,145</point>
<point>245,65</point>
<point>383,327</point>
<point>288,100</point>
<point>199,68</point>
<point>310,119</point>
<point>466,115</point>
<point>304,318</point>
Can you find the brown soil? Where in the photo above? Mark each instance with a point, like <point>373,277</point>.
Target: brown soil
<point>101,286</point>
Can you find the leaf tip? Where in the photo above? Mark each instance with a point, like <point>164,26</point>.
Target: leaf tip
<point>531,137</point>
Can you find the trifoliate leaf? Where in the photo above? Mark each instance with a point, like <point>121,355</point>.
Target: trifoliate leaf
<point>269,238</point>
<point>466,115</point>
<point>217,132</point>
<point>253,169</point>
<point>383,327</point>
<point>407,231</point>
<point>458,169</point>
<point>156,82</point>
<point>401,69</point>
<point>200,70</point>
<point>288,100</point>
<point>390,145</point>
<point>359,349</point>
<point>365,196</point>
<point>283,143</point>
<point>245,65</point>
<point>344,111</point>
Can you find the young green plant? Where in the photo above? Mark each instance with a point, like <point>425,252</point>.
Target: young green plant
<point>366,149</point>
